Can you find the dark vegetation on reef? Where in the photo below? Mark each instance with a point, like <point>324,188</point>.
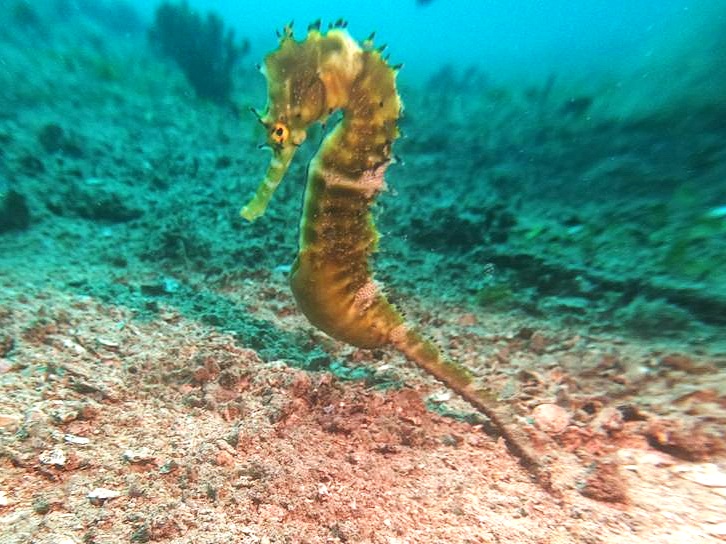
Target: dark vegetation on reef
<point>204,50</point>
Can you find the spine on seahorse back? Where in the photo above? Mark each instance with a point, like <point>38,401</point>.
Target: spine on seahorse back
<point>331,277</point>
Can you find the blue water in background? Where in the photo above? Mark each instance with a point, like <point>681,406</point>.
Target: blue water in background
<point>531,38</point>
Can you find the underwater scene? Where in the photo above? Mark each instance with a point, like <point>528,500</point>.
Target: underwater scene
<point>362,272</point>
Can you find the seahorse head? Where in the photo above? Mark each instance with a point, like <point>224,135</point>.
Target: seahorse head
<point>306,81</point>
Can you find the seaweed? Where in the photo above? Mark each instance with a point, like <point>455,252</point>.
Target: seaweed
<point>201,46</point>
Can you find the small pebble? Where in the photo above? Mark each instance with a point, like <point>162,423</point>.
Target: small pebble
<point>323,492</point>
<point>56,457</point>
<point>4,501</point>
<point>706,474</point>
<point>441,396</point>
<point>76,440</point>
<point>141,455</point>
<point>100,495</point>
<point>551,418</point>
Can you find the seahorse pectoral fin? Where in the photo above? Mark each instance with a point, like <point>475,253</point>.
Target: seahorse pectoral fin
<point>281,158</point>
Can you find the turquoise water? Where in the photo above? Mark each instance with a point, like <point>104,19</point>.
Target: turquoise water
<point>530,38</point>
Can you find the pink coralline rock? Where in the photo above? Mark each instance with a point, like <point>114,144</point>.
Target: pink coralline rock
<point>551,418</point>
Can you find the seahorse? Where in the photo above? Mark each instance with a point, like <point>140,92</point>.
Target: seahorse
<point>331,278</point>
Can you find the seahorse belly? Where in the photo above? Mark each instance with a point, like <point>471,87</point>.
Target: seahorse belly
<point>331,279</point>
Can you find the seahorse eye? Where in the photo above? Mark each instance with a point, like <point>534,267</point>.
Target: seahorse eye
<point>279,133</point>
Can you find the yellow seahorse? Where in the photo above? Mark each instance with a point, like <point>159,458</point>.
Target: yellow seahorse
<point>331,278</point>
